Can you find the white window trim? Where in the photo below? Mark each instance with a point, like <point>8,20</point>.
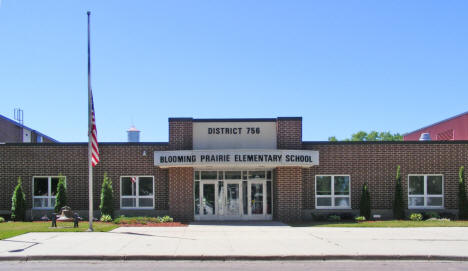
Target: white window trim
<point>49,197</point>
<point>137,192</point>
<point>333,196</point>
<point>425,195</point>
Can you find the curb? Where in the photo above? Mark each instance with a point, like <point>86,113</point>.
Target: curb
<point>233,258</point>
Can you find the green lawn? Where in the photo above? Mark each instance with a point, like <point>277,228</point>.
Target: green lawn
<point>10,229</point>
<point>386,224</point>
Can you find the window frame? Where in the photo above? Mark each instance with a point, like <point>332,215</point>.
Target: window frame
<point>137,193</point>
<point>49,196</point>
<point>425,195</point>
<point>332,196</point>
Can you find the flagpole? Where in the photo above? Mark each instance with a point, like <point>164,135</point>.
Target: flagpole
<point>90,167</point>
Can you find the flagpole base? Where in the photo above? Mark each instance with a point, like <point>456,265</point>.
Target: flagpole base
<point>90,230</point>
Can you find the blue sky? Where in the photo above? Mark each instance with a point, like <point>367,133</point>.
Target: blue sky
<point>343,66</point>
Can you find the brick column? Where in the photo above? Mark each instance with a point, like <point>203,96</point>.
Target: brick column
<point>180,133</point>
<point>289,133</point>
<point>287,194</point>
<point>181,194</point>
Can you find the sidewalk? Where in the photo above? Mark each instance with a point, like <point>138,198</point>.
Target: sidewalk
<point>248,241</point>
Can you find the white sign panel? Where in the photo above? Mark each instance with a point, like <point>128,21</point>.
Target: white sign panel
<point>234,135</point>
<point>236,158</point>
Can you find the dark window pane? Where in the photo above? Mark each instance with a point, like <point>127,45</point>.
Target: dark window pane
<point>128,188</point>
<point>416,185</point>
<point>434,201</point>
<point>145,202</point>
<point>257,174</point>
<point>197,175</point>
<point>54,183</point>
<point>324,202</point>
<point>145,186</point>
<point>269,175</point>
<point>434,185</point>
<point>209,175</point>
<point>244,197</point>
<point>323,185</point>
<point>341,185</point>
<point>41,186</point>
<point>197,197</point>
<point>128,202</point>
<point>232,175</point>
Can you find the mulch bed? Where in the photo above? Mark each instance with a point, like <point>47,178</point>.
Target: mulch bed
<point>166,224</point>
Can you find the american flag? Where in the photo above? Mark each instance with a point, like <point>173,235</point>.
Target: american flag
<point>93,131</point>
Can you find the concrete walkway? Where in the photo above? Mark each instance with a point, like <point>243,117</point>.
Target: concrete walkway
<point>270,240</point>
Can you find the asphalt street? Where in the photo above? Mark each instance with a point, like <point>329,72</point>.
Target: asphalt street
<point>236,265</point>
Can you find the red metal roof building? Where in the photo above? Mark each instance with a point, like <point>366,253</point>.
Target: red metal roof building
<point>454,128</point>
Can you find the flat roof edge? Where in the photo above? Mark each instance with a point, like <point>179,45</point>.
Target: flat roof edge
<point>384,142</point>
<point>86,143</point>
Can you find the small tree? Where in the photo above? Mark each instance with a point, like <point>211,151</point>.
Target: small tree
<point>365,204</point>
<point>462,201</point>
<point>18,203</point>
<point>398,205</point>
<point>61,196</point>
<point>107,202</point>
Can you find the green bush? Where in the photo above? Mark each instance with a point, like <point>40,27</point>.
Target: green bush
<point>462,200</point>
<point>398,203</point>
<point>2,219</point>
<point>416,217</point>
<point>18,203</point>
<point>334,218</point>
<point>365,203</point>
<point>360,218</point>
<point>166,219</point>
<point>107,202</point>
<point>61,196</point>
<point>106,218</point>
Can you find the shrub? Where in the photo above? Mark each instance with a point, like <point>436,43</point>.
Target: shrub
<point>61,196</point>
<point>18,203</point>
<point>106,218</point>
<point>365,203</point>
<point>416,217</point>
<point>398,203</point>
<point>462,201</point>
<point>334,218</point>
<point>346,216</point>
<point>360,218</point>
<point>166,219</point>
<point>429,215</point>
<point>107,202</point>
<point>2,219</point>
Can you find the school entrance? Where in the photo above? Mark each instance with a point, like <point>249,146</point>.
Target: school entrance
<point>233,194</point>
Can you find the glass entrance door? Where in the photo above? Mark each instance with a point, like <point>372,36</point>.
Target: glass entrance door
<point>233,203</point>
<point>233,195</point>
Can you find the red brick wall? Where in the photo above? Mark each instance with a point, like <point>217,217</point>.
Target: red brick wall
<point>180,133</point>
<point>289,133</point>
<point>287,186</point>
<point>28,160</point>
<point>181,206</point>
<point>376,163</point>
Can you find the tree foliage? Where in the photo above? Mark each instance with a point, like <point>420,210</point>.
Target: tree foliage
<point>462,200</point>
<point>365,203</point>
<point>61,195</point>
<point>18,203</point>
<point>107,203</point>
<point>371,136</point>
<point>398,203</point>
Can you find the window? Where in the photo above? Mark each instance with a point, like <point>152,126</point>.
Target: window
<point>332,191</point>
<point>44,190</point>
<point>137,192</point>
<point>425,191</point>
